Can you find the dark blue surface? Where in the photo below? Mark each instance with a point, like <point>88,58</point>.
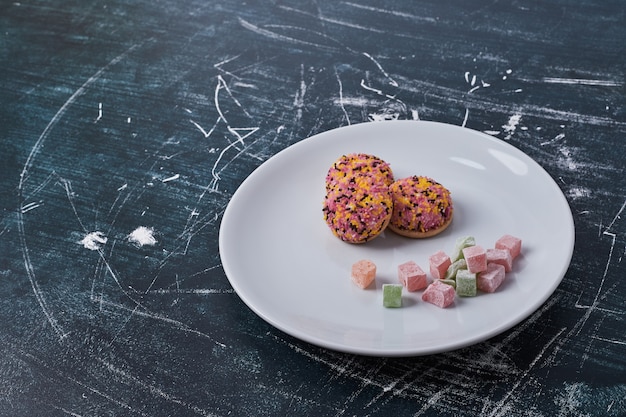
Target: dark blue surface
<point>119,115</point>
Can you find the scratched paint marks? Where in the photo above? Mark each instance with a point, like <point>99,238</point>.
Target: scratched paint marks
<point>21,187</point>
<point>89,204</point>
<point>506,82</point>
<point>135,292</point>
<point>346,83</point>
<point>239,134</point>
<point>482,380</point>
<point>598,301</point>
<point>377,100</point>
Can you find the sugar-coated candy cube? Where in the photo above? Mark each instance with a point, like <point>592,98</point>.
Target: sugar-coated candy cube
<point>465,283</point>
<point>490,279</point>
<point>439,294</point>
<point>454,268</point>
<point>412,276</point>
<point>450,282</point>
<point>363,273</point>
<point>511,243</point>
<point>502,257</point>
<point>460,244</point>
<point>392,295</point>
<point>439,263</point>
<point>476,258</point>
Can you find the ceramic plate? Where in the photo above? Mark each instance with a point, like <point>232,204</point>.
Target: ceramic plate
<point>287,266</point>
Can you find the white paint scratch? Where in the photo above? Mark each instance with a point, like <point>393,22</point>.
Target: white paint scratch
<point>391,80</point>
<point>472,82</point>
<point>354,101</point>
<point>172,178</point>
<point>245,85</point>
<point>198,291</point>
<point>341,103</point>
<point>569,401</point>
<point>205,133</point>
<point>383,116</point>
<point>99,112</point>
<point>612,341</point>
<point>240,133</point>
<point>608,409</point>
<point>391,12</point>
<point>177,325</point>
<point>298,100</point>
<point>280,37</point>
<point>31,206</point>
<point>501,407</point>
<point>375,90</point>
<point>30,270</point>
<point>582,81</point>
<point>154,390</point>
<point>465,118</point>
<point>555,139</point>
<point>617,216</point>
<point>580,324</point>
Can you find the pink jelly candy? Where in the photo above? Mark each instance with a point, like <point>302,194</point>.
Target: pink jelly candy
<point>439,264</point>
<point>363,273</point>
<point>511,243</point>
<point>490,279</point>
<point>476,258</point>
<point>439,294</point>
<point>502,257</point>
<point>412,276</point>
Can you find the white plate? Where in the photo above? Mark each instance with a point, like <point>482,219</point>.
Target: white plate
<point>286,265</point>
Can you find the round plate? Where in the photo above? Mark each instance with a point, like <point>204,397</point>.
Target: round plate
<point>287,266</point>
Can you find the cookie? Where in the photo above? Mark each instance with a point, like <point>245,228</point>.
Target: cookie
<point>421,207</point>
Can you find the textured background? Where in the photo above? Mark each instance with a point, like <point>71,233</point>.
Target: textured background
<point>128,125</point>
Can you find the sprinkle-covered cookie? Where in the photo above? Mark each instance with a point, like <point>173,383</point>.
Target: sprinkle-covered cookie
<point>358,209</point>
<point>421,207</point>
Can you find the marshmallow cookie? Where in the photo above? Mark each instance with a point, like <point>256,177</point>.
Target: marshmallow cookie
<point>358,205</point>
<point>421,207</point>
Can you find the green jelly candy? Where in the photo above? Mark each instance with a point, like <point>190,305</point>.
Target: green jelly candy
<point>392,295</point>
<point>450,282</point>
<point>460,244</point>
<point>454,268</point>
<point>465,283</point>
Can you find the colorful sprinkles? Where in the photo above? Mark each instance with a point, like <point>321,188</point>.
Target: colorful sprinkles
<point>358,205</point>
<point>420,205</point>
<point>351,165</point>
